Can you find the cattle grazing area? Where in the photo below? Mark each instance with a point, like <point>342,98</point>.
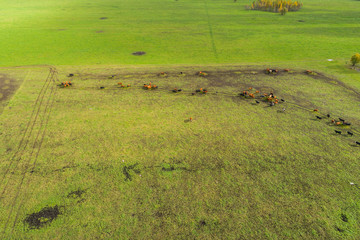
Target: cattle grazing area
<point>179,152</point>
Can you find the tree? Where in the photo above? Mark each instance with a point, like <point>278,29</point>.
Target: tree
<point>283,10</point>
<point>355,59</point>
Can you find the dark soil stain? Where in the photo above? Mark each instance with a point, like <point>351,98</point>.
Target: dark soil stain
<point>173,167</point>
<point>6,88</point>
<point>64,168</point>
<point>168,169</point>
<point>103,18</point>
<point>226,78</point>
<point>127,169</point>
<point>97,168</point>
<point>344,218</point>
<point>138,53</point>
<point>202,223</point>
<point>339,229</point>
<point>76,194</point>
<point>43,217</point>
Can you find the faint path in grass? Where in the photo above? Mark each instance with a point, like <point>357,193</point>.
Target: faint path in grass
<point>47,113</point>
<point>211,32</point>
<point>36,144</point>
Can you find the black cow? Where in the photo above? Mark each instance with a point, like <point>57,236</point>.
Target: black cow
<point>350,133</point>
<point>318,117</point>
<point>338,132</point>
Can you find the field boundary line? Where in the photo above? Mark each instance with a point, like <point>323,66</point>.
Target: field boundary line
<point>211,31</point>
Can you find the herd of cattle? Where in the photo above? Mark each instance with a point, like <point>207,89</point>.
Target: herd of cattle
<point>270,98</point>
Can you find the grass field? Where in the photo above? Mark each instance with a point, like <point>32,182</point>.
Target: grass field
<point>127,163</point>
<point>83,162</point>
<point>174,32</point>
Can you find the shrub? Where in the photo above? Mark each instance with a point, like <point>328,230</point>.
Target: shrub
<point>355,59</point>
<point>281,6</point>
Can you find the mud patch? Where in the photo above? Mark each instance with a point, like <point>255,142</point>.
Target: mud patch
<point>65,167</point>
<point>166,167</point>
<point>128,169</point>
<point>344,218</point>
<point>43,217</point>
<point>202,223</point>
<point>138,53</point>
<point>76,194</point>
<point>6,89</point>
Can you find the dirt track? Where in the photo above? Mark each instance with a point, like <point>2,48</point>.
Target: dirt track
<point>6,88</point>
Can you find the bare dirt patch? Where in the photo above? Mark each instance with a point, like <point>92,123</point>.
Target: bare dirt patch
<point>100,31</point>
<point>6,88</point>
<point>43,217</point>
<point>127,171</point>
<point>138,53</point>
<point>76,194</point>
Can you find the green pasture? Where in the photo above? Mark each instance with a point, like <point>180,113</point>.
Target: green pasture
<point>174,32</point>
<point>128,164</point>
<point>239,170</point>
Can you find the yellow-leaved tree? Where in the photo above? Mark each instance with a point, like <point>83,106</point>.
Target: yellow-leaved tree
<point>355,59</point>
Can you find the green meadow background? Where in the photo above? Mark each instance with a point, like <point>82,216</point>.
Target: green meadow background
<point>240,170</point>
<point>174,32</point>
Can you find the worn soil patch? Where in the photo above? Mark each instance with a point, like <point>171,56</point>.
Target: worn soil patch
<point>43,217</point>
<point>127,171</point>
<point>100,31</point>
<point>6,88</point>
<point>138,53</point>
<point>76,194</point>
